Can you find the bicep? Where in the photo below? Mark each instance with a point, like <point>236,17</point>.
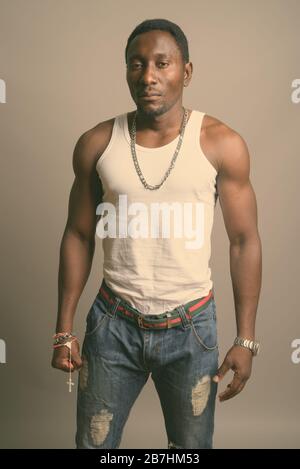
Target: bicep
<point>86,193</point>
<point>236,195</point>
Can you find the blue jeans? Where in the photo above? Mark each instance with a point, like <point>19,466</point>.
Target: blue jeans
<point>118,357</point>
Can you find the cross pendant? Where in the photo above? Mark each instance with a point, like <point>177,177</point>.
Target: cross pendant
<point>70,383</point>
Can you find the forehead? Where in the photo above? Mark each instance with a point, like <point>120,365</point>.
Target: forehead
<point>153,43</point>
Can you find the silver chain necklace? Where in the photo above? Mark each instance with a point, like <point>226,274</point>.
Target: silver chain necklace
<point>133,152</point>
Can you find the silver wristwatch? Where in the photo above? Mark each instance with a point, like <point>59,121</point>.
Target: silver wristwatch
<point>247,343</point>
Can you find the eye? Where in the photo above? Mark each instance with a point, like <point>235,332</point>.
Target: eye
<point>135,66</point>
<point>163,63</point>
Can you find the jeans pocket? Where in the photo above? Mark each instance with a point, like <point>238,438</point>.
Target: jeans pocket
<point>204,328</point>
<point>96,317</point>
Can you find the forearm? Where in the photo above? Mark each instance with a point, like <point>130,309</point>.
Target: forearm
<point>246,272</point>
<point>76,256</point>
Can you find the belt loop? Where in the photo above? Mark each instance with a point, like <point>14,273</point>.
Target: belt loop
<point>185,321</point>
<point>168,320</point>
<point>114,306</point>
<point>140,321</point>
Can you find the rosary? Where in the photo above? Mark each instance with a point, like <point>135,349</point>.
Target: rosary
<point>59,338</point>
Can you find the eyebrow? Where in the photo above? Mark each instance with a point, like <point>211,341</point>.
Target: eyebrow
<point>160,55</point>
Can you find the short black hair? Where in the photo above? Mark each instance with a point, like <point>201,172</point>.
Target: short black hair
<point>163,25</point>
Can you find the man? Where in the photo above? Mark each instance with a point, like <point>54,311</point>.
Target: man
<point>155,310</point>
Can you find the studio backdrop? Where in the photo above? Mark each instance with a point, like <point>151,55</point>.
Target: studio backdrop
<point>62,71</point>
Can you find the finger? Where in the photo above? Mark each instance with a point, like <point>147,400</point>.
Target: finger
<point>221,371</point>
<point>60,364</point>
<point>76,358</point>
<point>231,387</point>
<point>65,365</point>
<point>232,394</point>
<point>236,385</point>
<point>77,362</point>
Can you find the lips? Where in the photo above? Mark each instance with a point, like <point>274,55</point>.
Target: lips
<point>149,98</point>
<point>148,95</point>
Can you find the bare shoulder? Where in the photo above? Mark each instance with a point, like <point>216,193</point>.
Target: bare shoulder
<point>91,145</point>
<point>224,147</point>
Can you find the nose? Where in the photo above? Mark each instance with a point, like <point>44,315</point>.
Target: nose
<point>148,75</point>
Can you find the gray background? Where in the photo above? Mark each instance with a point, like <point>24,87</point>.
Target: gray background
<point>63,64</point>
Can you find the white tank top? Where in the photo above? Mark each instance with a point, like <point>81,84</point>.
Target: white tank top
<point>151,269</point>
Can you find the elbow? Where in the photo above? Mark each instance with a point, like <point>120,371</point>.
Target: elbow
<point>83,236</point>
<point>243,239</point>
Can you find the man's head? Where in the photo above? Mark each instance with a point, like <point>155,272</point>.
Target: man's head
<point>157,59</point>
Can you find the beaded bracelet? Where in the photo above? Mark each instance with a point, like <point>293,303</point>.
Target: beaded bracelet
<point>61,336</point>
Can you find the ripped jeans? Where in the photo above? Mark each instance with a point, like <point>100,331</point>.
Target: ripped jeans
<point>118,357</point>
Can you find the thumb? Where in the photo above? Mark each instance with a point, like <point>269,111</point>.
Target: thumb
<point>221,371</point>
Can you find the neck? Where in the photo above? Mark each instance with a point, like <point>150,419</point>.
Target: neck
<point>159,123</point>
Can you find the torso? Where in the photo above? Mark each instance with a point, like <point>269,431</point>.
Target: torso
<point>211,129</point>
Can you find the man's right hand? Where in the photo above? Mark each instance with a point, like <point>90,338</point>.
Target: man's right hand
<point>61,355</point>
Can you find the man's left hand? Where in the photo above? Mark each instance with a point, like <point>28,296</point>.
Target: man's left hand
<point>238,359</point>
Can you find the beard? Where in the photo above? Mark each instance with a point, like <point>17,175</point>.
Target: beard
<point>150,112</point>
